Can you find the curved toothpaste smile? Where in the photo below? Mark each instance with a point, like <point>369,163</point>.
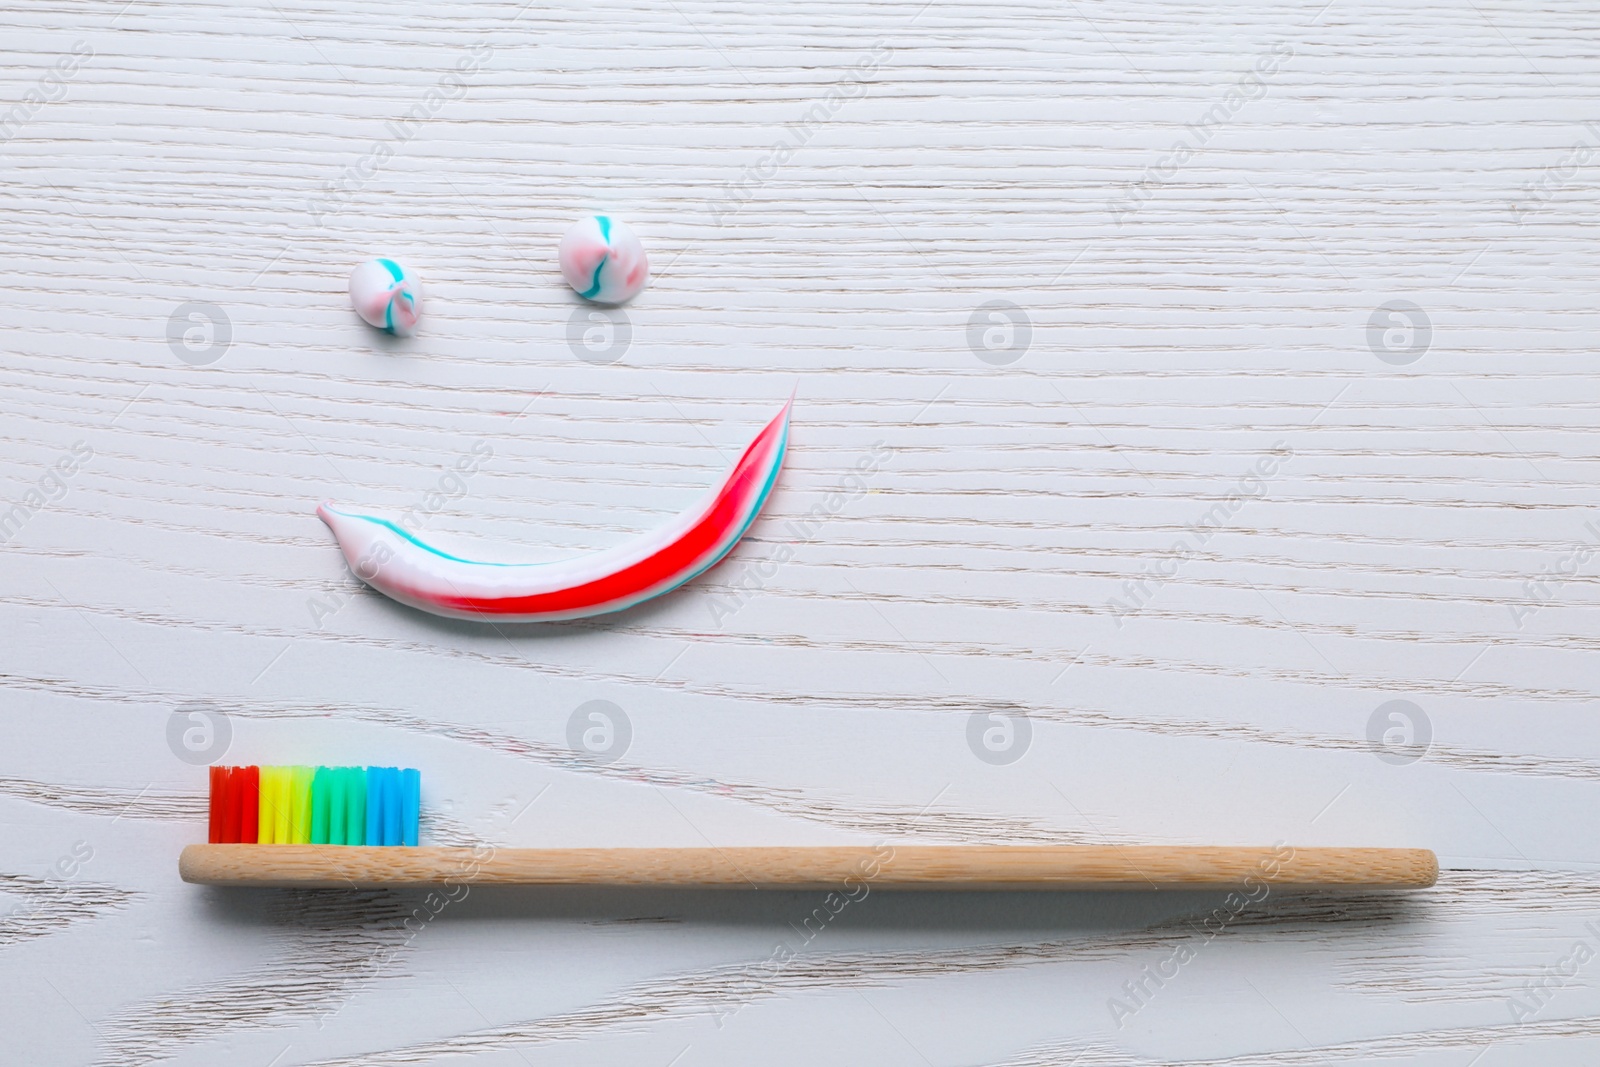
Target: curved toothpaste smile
<point>401,565</point>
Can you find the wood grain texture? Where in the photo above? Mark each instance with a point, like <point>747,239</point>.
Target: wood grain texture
<point>851,871</point>
<point>1159,579</point>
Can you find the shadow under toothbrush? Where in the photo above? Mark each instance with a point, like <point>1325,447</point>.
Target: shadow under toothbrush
<point>932,914</point>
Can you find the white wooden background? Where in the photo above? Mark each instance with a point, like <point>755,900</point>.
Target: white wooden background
<point>1438,153</point>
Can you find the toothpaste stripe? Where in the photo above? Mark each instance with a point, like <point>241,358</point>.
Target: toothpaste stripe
<point>418,574</point>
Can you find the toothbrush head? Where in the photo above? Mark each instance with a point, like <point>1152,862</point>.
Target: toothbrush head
<point>314,805</point>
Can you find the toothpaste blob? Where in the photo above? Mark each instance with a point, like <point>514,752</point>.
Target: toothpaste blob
<point>603,260</point>
<point>400,565</point>
<point>387,296</point>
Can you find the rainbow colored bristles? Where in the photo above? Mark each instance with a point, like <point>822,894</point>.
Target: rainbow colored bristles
<point>315,805</point>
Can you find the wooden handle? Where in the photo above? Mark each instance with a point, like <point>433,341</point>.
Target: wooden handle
<point>882,867</point>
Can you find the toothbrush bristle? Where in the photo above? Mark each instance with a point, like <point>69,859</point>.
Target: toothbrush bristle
<point>314,805</point>
<point>218,796</point>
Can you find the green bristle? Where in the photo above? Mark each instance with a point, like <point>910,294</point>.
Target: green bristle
<point>336,805</point>
<point>341,821</point>
<point>355,827</point>
<point>319,805</point>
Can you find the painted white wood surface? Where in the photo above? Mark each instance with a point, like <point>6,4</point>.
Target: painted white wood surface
<point>1435,153</point>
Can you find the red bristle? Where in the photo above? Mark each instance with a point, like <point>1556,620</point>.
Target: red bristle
<point>249,803</point>
<point>230,807</point>
<point>219,777</point>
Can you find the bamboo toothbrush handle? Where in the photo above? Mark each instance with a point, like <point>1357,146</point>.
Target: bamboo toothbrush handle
<point>986,867</point>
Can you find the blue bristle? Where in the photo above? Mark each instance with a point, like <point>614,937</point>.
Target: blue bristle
<point>374,805</point>
<point>391,806</point>
<point>410,803</point>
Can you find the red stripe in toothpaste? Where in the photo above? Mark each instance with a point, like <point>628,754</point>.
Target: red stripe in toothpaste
<point>417,574</point>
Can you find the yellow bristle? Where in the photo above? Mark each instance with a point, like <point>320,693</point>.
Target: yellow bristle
<point>282,813</point>
<point>267,819</point>
<point>300,805</point>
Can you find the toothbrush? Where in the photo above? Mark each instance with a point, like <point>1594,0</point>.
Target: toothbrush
<point>353,826</point>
